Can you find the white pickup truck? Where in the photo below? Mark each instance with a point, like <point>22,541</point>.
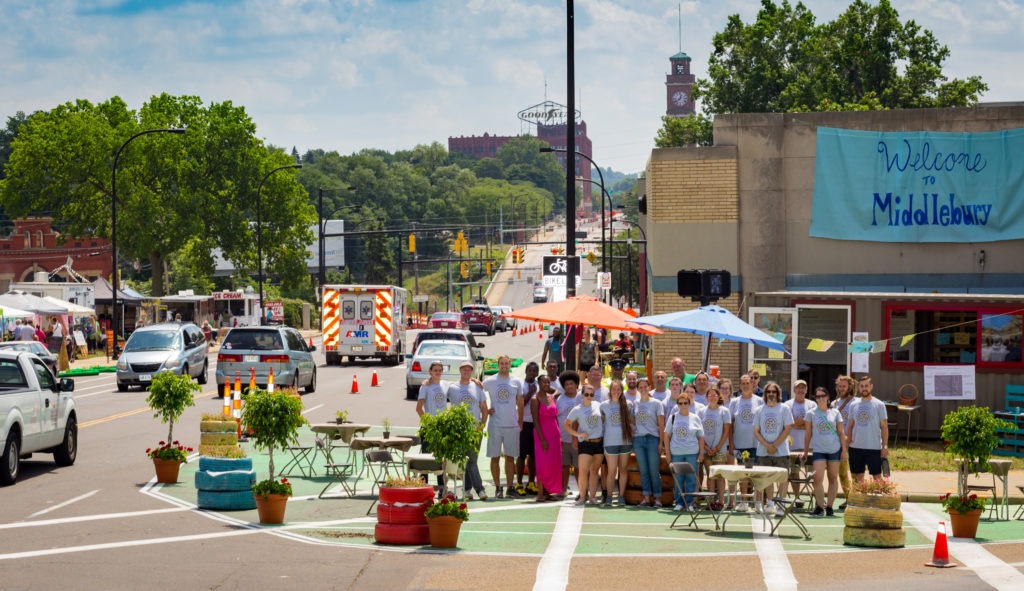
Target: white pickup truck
<point>37,414</point>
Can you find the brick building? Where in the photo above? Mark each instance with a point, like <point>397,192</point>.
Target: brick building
<point>33,246</point>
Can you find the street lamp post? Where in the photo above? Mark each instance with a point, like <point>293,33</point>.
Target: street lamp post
<point>259,235</point>
<point>321,254</point>
<point>115,318</point>
<point>604,256</point>
<point>629,255</point>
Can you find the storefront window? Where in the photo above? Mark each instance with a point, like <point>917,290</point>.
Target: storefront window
<point>951,336</point>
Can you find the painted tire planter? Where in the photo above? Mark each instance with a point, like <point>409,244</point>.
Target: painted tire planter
<point>408,496</point>
<point>401,535</point>
<point>224,464</point>
<point>208,438</point>
<point>872,518</point>
<point>218,426</point>
<point>400,514</point>
<point>225,481</point>
<point>891,502</point>
<point>229,500</point>
<point>874,538</point>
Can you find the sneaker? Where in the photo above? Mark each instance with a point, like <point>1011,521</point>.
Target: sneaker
<point>531,488</point>
<point>798,504</point>
<point>743,507</point>
<point>769,507</point>
<point>499,493</point>
<point>520,490</point>
<point>580,502</point>
<point>779,511</point>
<point>621,502</point>
<point>679,507</point>
<point>482,495</point>
<point>829,512</point>
<point>758,508</point>
<point>643,503</point>
<point>469,496</point>
<point>608,501</point>
<point>658,505</point>
<point>691,509</point>
<point>818,511</point>
<point>842,507</point>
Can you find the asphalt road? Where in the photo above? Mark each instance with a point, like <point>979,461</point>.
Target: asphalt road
<point>98,525</point>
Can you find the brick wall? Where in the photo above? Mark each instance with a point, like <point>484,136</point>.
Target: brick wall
<point>693,190</point>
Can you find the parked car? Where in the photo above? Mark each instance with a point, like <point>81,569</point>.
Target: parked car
<point>37,414</point>
<point>36,347</point>
<point>262,348</point>
<point>450,353</point>
<point>510,322</point>
<point>540,294</point>
<point>479,317</point>
<point>447,320</point>
<point>446,334</point>
<point>499,322</point>
<point>169,346</point>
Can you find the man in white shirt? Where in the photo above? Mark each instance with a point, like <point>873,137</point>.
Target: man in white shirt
<point>799,406</point>
<point>504,424</point>
<point>868,433</point>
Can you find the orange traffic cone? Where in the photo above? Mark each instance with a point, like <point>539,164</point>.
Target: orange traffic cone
<point>513,332</point>
<point>940,555</point>
<point>540,335</point>
<point>310,342</point>
<point>373,382</point>
<point>355,385</point>
<point>252,378</point>
<point>270,380</point>
<point>227,398</point>
<point>236,404</point>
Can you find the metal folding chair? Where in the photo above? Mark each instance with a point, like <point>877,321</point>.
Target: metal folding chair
<point>1020,508</point>
<point>701,500</point>
<point>804,480</point>
<point>300,458</point>
<point>339,471</point>
<point>378,463</point>
<point>788,506</point>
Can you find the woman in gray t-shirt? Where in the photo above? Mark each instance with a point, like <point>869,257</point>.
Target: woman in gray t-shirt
<point>827,439</point>
<point>617,416</point>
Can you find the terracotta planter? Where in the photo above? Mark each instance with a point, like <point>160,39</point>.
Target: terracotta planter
<point>965,525</point>
<point>166,470</point>
<point>271,508</point>
<point>444,531</point>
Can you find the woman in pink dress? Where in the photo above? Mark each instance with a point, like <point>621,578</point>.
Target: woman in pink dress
<point>547,442</point>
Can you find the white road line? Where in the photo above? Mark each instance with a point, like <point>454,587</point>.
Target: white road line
<point>553,570</point>
<point>973,555</point>
<point>126,544</point>
<point>309,410</point>
<point>82,518</point>
<point>778,574</point>
<point>64,504</point>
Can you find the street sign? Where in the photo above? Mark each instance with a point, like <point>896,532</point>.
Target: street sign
<point>420,298</point>
<point>555,270</point>
<point>604,280</point>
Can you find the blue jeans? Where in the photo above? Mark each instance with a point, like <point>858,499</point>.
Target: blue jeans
<point>686,483</point>
<point>649,462</point>
<point>472,476</point>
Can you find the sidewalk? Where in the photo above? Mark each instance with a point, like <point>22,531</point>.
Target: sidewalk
<point>927,487</point>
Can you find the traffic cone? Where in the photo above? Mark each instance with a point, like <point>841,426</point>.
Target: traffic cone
<point>227,398</point>
<point>355,385</point>
<point>270,381</point>
<point>373,382</point>
<point>940,555</point>
<point>252,378</point>
<point>310,342</point>
<point>540,335</point>
<point>236,404</point>
<point>513,332</point>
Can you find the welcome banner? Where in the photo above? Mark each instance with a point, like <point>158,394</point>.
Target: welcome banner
<point>918,186</point>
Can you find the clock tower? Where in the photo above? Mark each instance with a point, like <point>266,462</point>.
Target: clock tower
<point>679,87</point>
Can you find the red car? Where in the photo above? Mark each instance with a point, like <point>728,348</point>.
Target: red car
<point>447,320</point>
<point>479,317</point>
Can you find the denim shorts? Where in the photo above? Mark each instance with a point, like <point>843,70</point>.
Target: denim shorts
<point>617,450</point>
<point>827,457</point>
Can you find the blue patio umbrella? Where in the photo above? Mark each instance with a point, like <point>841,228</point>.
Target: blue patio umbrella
<point>712,322</point>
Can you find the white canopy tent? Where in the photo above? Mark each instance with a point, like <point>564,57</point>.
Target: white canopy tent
<point>73,308</point>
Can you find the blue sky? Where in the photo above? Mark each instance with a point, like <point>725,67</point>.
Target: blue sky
<point>350,74</point>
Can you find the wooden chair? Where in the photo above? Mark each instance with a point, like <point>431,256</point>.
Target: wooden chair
<point>910,398</point>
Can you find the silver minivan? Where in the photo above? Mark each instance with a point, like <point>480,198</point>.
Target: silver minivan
<point>169,346</point>
<point>262,348</point>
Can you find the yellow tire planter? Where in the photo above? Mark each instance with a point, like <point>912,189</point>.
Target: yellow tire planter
<point>230,426</point>
<point>872,518</point>
<point>873,521</point>
<point>218,438</point>
<point>891,502</point>
<point>874,538</point>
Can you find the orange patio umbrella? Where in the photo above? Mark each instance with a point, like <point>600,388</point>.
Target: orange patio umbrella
<point>585,310</point>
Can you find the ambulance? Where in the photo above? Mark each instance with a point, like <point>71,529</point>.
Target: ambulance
<point>363,322</point>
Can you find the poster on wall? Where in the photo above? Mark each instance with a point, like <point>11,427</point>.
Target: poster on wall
<point>860,360</point>
<point>918,186</point>
<point>949,382</point>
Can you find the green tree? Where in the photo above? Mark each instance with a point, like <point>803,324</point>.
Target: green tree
<point>172,190</point>
<point>523,161</point>
<point>867,58</point>
<point>677,132</point>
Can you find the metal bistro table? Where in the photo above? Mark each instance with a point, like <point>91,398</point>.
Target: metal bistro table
<point>760,476</point>
<point>363,444</point>
<point>343,432</point>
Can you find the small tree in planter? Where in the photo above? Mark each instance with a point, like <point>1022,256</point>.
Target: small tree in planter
<point>169,395</point>
<point>451,435</point>
<point>971,433</point>
<point>274,419</point>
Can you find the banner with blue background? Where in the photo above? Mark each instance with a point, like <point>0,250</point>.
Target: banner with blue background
<point>918,186</point>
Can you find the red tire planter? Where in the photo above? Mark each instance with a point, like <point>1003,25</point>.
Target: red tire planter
<point>402,535</point>
<point>418,495</point>
<point>400,514</point>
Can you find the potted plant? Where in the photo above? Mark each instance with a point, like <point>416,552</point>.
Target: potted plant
<point>964,513</point>
<point>971,433</point>
<point>400,512</point>
<point>451,435</point>
<point>274,419</point>
<point>745,459</point>
<point>169,395</point>
<point>386,425</point>
<point>445,519</point>
<point>341,417</point>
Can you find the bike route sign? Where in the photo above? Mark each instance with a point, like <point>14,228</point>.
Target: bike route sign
<point>555,270</point>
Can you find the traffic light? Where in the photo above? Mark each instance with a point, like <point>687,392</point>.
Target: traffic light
<point>464,270</point>
<point>518,255</point>
<point>704,285</point>
<point>490,264</point>
<point>412,243</point>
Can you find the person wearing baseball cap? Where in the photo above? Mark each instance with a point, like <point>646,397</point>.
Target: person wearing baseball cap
<point>799,406</point>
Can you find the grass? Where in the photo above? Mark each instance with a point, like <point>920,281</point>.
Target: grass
<point>929,456</point>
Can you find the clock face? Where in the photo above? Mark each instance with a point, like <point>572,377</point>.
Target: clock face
<point>680,99</point>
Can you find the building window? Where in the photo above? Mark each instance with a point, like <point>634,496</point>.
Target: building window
<point>39,238</point>
<point>954,335</point>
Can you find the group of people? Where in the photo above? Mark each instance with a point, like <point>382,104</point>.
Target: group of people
<point>546,425</point>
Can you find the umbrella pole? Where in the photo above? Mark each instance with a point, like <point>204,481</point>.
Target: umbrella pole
<point>706,358</point>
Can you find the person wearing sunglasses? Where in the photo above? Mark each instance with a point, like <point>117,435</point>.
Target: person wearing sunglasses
<point>586,425</point>
<point>684,438</point>
<point>827,438</point>
<point>771,428</point>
